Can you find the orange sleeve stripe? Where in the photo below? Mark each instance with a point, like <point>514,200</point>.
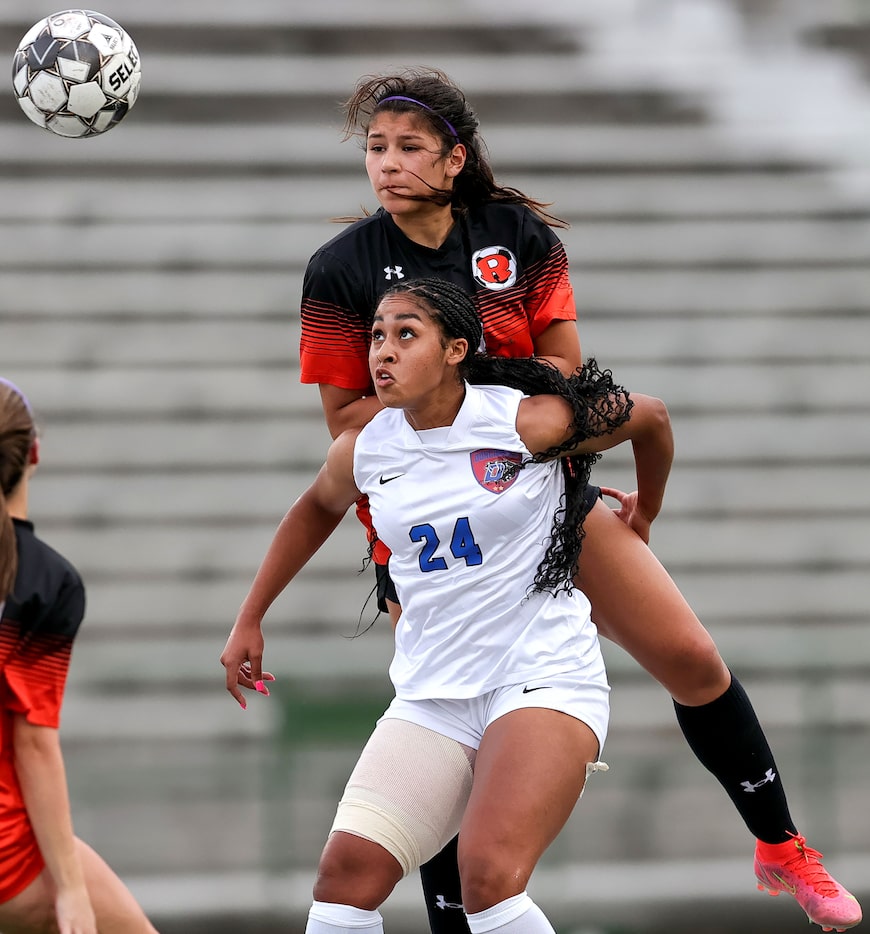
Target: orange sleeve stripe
<point>35,671</point>
<point>552,295</point>
<point>333,347</point>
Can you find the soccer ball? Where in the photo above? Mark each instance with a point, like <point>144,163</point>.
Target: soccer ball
<point>76,73</point>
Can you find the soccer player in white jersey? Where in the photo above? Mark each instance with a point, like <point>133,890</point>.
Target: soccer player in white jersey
<point>476,471</point>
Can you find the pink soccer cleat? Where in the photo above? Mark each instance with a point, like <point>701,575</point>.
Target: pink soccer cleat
<point>796,868</point>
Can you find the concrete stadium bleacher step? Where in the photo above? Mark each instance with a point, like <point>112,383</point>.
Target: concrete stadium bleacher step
<point>688,386</point>
<point>772,482</point>
<point>220,91</point>
<point>693,193</point>
<point>207,343</point>
<point>165,608</point>
<point>255,244</point>
<point>851,35</point>
<point>835,653</point>
<point>239,89</point>
<point>741,546</point>
<point>313,146</point>
<point>605,298</point>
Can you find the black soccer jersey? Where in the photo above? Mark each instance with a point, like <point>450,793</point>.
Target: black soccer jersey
<point>39,622</point>
<point>511,263</point>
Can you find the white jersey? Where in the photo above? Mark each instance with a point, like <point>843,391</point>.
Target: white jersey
<point>467,534</point>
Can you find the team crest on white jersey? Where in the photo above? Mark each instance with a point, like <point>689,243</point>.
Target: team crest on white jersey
<point>495,470</point>
<point>494,267</point>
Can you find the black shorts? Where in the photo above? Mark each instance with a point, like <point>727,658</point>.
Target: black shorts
<point>386,589</point>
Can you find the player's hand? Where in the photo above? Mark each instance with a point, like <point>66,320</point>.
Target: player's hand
<point>73,911</point>
<point>242,658</point>
<point>628,511</point>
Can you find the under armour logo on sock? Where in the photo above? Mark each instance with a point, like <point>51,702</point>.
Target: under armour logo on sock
<point>441,903</point>
<point>750,787</point>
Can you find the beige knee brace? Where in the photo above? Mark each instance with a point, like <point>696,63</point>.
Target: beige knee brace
<point>407,792</point>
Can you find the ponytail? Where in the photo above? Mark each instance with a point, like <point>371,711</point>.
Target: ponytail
<point>17,434</point>
<point>8,551</point>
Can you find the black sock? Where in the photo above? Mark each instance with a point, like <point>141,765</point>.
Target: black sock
<point>728,740</point>
<point>440,878</point>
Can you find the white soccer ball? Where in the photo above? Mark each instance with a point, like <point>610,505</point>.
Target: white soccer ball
<point>76,73</point>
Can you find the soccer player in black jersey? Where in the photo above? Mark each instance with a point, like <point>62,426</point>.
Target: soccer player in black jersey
<point>49,879</point>
<point>442,214</point>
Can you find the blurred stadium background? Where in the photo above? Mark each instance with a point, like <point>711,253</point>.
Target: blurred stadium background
<point>713,158</point>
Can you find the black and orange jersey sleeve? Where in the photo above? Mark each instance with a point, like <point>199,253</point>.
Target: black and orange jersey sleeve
<point>40,621</point>
<point>335,327</point>
<point>35,676</point>
<point>550,295</point>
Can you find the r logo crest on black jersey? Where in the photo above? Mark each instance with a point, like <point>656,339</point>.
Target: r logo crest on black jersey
<point>494,267</point>
<point>495,470</point>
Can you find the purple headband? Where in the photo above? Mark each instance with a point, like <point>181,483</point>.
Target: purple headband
<point>18,392</point>
<point>412,100</point>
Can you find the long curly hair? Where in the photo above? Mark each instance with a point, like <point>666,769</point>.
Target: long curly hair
<point>441,105</point>
<point>598,406</point>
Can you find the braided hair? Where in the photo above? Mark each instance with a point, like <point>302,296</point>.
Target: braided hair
<point>598,407</point>
<point>17,434</point>
<point>440,103</point>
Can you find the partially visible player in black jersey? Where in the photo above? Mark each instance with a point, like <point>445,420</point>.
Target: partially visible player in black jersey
<point>49,879</point>
<point>442,214</point>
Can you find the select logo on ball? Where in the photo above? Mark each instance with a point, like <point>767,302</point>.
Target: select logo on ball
<point>76,73</point>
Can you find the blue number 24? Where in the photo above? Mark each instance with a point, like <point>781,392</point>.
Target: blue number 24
<point>462,545</point>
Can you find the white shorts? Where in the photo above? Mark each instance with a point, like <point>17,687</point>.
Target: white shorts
<point>409,789</point>
<point>583,694</point>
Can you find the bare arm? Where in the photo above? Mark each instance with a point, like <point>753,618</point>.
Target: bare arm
<point>306,526</point>
<point>345,409</point>
<point>545,421</point>
<point>560,344</point>
<point>41,774</point>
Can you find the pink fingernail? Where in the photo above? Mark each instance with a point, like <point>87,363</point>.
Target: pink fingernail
<point>261,688</point>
